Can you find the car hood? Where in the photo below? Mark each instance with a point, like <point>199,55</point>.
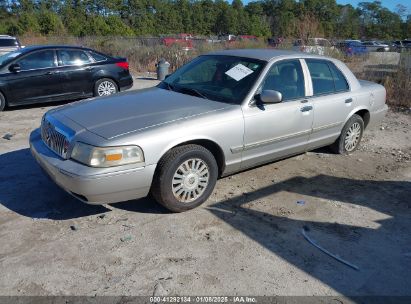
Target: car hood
<point>129,112</point>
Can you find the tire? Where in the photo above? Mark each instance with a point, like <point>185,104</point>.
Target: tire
<point>191,169</point>
<point>2,102</point>
<point>350,137</point>
<point>105,87</point>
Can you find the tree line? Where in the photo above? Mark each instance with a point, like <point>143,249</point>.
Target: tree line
<point>262,18</point>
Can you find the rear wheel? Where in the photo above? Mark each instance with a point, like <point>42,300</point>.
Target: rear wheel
<point>350,137</point>
<point>2,102</point>
<point>105,87</point>
<point>185,178</point>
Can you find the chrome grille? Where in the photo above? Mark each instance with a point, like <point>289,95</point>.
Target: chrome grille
<point>56,141</point>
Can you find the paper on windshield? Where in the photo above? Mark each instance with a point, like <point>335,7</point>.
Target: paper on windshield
<point>239,72</point>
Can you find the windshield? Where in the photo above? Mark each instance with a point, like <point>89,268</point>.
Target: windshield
<point>9,57</point>
<point>220,78</point>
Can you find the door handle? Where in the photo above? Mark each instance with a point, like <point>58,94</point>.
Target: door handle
<point>304,101</point>
<point>306,108</point>
<point>349,100</point>
<point>89,68</point>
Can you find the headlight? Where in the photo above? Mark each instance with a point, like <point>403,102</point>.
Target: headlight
<point>106,157</point>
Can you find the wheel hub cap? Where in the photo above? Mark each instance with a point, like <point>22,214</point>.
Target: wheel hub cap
<point>352,137</point>
<point>190,180</point>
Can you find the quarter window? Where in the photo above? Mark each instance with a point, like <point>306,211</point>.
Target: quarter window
<point>37,60</point>
<point>98,57</point>
<point>287,78</point>
<point>73,57</point>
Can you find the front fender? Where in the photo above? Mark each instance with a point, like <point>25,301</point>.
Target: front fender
<point>185,139</point>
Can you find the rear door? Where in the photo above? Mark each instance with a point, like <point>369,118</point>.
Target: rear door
<point>332,101</point>
<point>76,67</point>
<point>37,80</point>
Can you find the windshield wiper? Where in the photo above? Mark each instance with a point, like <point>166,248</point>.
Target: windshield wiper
<point>195,91</point>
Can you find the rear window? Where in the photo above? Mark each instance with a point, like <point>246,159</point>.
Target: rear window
<point>8,42</point>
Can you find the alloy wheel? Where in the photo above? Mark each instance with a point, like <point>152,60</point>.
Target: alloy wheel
<point>106,88</point>
<point>352,137</point>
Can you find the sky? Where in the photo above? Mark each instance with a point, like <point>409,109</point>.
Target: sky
<point>390,4</point>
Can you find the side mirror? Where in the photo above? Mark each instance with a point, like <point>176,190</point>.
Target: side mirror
<point>14,68</point>
<point>271,96</point>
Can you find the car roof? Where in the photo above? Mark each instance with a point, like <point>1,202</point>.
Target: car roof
<point>7,37</point>
<point>264,54</point>
<point>46,47</point>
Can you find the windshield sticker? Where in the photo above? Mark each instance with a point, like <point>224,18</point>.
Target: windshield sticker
<point>239,72</point>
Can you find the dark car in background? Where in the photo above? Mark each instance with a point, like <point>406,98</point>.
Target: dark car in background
<point>401,46</point>
<point>352,48</point>
<point>8,44</point>
<point>55,73</point>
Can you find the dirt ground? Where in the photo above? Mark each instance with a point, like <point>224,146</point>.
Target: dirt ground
<point>246,240</point>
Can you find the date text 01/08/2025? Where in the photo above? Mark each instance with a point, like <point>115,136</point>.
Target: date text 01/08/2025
<point>202,299</point>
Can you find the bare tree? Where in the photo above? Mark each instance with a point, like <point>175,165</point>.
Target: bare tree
<point>308,26</point>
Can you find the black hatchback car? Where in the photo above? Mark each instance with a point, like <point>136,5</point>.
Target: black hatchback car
<point>54,73</point>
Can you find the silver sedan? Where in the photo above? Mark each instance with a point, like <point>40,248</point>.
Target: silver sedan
<point>221,113</point>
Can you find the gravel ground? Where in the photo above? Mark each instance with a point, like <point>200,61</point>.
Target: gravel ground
<point>247,239</point>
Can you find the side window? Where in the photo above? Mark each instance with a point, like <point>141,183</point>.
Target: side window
<point>73,57</point>
<point>37,60</point>
<point>340,82</point>
<point>287,78</point>
<point>322,79</point>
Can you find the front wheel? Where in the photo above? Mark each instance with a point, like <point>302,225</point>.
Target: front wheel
<point>105,87</point>
<point>350,137</point>
<point>185,177</point>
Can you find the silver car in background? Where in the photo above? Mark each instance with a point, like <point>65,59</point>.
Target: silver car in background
<point>375,46</point>
<point>219,114</point>
<point>318,46</point>
<point>8,44</point>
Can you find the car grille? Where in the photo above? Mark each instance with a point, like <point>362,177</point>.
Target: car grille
<point>53,139</point>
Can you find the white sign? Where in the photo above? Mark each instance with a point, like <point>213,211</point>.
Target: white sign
<point>239,72</point>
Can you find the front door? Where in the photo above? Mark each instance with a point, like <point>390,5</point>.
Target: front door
<point>37,79</point>
<point>276,130</point>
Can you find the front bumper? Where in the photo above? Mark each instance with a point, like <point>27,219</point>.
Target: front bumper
<point>92,185</point>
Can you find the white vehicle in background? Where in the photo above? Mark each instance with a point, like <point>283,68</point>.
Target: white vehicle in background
<point>8,44</point>
<point>319,46</point>
<point>375,46</point>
